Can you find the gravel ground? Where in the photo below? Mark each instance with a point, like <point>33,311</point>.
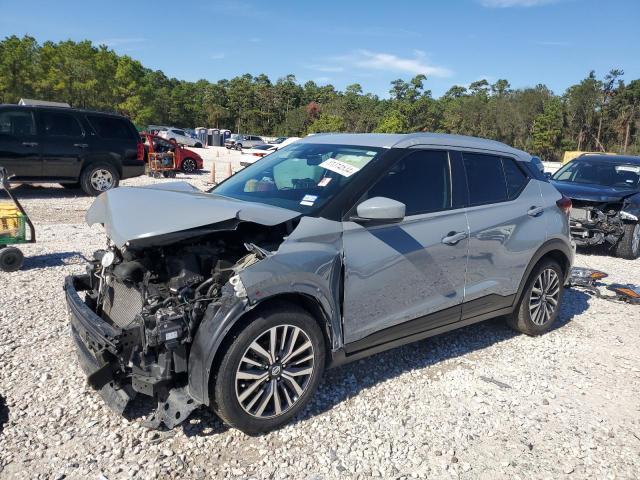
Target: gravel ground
<point>481,402</point>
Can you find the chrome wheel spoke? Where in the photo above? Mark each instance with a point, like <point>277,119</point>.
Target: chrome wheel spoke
<point>298,372</point>
<point>294,384</point>
<point>261,351</point>
<point>298,351</point>
<point>276,397</point>
<point>544,296</point>
<point>252,374</point>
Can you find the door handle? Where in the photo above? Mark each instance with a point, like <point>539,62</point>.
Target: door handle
<point>454,237</point>
<point>535,211</point>
<point>30,144</point>
<point>81,145</point>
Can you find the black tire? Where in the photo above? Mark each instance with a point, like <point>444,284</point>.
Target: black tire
<point>227,390</point>
<point>629,245</point>
<point>198,145</point>
<point>189,165</point>
<point>538,321</point>
<point>238,146</point>
<point>11,259</point>
<point>70,186</point>
<point>93,185</point>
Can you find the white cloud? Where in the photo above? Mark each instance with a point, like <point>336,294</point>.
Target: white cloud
<point>515,3</point>
<point>217,56</point>
<point>322,79</point>
<point>418,64</point>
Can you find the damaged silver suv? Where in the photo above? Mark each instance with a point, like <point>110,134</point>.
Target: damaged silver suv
<point>331,249</point>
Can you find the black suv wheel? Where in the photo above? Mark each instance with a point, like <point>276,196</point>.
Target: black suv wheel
<point>270,370</point>
<point>99,177</point>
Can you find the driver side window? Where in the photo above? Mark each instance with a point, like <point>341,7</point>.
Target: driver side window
<point>17,123</point>
<point>420,181</point>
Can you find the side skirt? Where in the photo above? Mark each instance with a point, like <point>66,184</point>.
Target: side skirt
<point>364,348</point>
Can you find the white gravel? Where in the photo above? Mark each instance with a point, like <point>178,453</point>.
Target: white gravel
<point>480,402</point>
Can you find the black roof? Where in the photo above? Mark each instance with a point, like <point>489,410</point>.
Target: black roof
<point>611,158</point>
<point>61,109</point>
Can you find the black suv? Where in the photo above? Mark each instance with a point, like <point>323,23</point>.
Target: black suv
<point>76,148</point>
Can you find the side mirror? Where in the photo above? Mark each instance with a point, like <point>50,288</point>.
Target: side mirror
<point>547,174</point>
<point>380,210</point>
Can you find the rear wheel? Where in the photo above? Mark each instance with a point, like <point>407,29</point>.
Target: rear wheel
<point>540,301</point>
<point>189,165</point>
<point>238,146</point>
<point>99,177</point>
<point>198,145</point>
<point>11,259</point>
<point>629,245</point>
<point>270,370</point>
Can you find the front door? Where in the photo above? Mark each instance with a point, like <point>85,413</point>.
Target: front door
<point>407,277</point>
<point>64,144</point>
<point>19,144</point>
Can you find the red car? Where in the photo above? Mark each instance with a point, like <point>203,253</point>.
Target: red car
<point>187,161</point>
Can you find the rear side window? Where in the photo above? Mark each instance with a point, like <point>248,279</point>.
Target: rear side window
<point>420,181</point>
<point>516,178</point>
<point>485,178</point>
<point>111,127</point>
<point>17,123</point>
<point>58,124</point>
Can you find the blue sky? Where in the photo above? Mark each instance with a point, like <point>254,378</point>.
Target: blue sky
<point>555,42</point>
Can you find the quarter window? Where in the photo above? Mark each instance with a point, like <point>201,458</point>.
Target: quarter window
<point>516,179</point>
<point>58,124</point>
<point>420,181</point>
<point>485,179</point>
<point>110,127</point>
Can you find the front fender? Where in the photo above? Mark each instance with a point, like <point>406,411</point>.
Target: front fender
<point>308,263</point>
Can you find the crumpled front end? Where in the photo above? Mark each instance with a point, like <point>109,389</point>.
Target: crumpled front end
<point>135,313</point>
<point>596,223</point>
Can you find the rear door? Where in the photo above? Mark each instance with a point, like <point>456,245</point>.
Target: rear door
<point>19,143</point>
<point>64,144</point>
<point>403,278</point>
<point>506,228</point>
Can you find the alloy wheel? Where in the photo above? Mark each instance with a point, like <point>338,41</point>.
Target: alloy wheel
<point>544,296</point>
<point>189,165</point>
<point>635,241</point>
<point>102,180</point>
<point>275,371</point>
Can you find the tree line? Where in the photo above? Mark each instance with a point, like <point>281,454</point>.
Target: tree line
<point>596,114</point>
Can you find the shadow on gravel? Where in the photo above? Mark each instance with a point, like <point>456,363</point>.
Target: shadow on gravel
<point>53,260</point>
<point>4,413</point>
<point>28,192</point>
<point>597,251</point>
<point>202,422</point>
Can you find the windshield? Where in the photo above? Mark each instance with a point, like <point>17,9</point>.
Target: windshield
<point>300,177</point>
<point>607,174</point>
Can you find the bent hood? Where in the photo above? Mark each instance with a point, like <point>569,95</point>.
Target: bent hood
<point>134,213</point>
<point>593,193</point>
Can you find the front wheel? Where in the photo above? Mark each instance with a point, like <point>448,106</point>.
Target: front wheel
<point>239,146</point>
<point>99,177</point>
<point>198,145</point>
<point>629,245</point>
<point>189,165</point>
<point>540,302</point>
<point>270,370</point>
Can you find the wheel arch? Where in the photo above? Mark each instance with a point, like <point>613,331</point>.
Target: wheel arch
<point>207,362</point>
<point>556,249</point>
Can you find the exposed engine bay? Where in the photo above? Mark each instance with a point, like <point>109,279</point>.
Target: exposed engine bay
<point>595,223</point>
<point>156,298</point>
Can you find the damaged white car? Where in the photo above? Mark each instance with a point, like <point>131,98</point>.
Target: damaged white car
<point>329,250</point>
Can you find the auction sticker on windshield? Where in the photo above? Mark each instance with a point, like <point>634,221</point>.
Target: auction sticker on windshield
<point>347,165</point>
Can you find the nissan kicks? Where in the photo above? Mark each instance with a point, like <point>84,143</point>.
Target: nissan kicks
<point>328,250</point>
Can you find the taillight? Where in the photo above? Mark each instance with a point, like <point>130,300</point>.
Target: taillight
<point>565,205</point>
<point>140,151</point>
